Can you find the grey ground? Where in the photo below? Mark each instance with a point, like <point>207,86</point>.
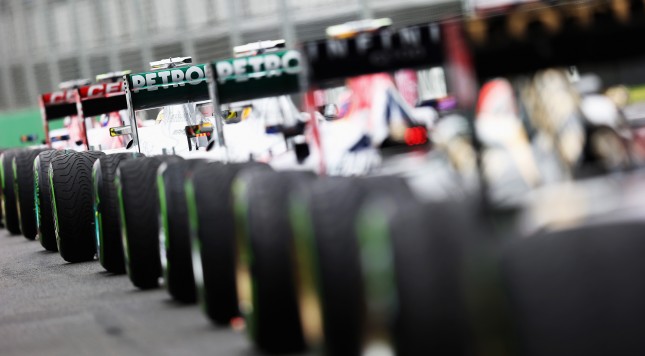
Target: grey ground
<point>48,306</point>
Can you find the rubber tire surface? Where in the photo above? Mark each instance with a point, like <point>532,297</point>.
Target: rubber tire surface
<point>333,205</point>
<point>578,291</point>
<point>275,321</point>
<point>428,249</point>
<point>71,179</point>
<point>106,208</point>
<point>44,214</point>
<point>139,202</point>
<point>213,239</point>
<point>178,268</point>
<point>10,208</point>
<point>24,190</point>
<point>1,217</point>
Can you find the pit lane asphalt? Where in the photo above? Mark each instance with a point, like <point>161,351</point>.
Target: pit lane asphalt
<point>51,307</point>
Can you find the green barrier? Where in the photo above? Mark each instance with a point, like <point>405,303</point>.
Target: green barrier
<point>16,124</point>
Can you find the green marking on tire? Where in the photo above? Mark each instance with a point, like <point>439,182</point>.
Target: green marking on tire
<point>377,268</point>
<point>98,220</point>
<point>163,212</point>
<point>55,210</point>
<point>244,253</point>
<point>16,190</point>
<point>196,248</point>
<point>376,255</point>
<point>307,266</point>
<point>2,201</point>
<point>124,233</point>
<point>2,171</point>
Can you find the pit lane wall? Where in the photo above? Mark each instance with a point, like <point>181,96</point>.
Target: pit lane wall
<point>15,124</point>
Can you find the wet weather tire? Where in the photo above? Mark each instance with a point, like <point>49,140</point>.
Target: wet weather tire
<point>427,242</point>
<point>71,190</point>
<point>43,202</point>
<point>263,198</point>
<point>333,205</point>
<point>1,217</point>
<point>10,208</point>
<point>213,238</point>
<point>106,211</point>
<point>24,189</point>
<point>175,245</point>
<point>139,202</point>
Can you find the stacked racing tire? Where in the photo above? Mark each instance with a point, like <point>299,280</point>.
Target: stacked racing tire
<point>9,207</point>
<point>1,213</point>
<point>210,208</point>
<point>43,201</point>
<point>265,233</point>
<point>71,193</point>
<point>136,184</point>
<point>175,247</point>
<point>329,282</point>
<point>24,187</point>
<point>109,243</point>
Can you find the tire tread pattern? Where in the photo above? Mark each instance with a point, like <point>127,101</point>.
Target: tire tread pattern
<point>276,316</point>
<point>140,212</point>
<point>180,279</point>
<point>216,238</point>
<point>334,205</point>
<point>45,217</point>
<point>71,178</point>
<point>10,208</point>
<point>111,245</point>
<point>24,188</point>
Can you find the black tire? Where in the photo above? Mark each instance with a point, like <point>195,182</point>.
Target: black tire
<point>427,251</point>
<point>175,255</point>
<point>212,227</point>
<point>332,206</point>
<point>1,214</point>
<point>263,201</point>
<point>24,188</point>
<point>139,202</point>
<point>71,191</point>
<point>9,207</point>
<point>109,244</point>
<point>577,291</point>
<point>43,202</point>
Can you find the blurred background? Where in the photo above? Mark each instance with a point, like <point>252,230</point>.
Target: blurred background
<point>45,42</point>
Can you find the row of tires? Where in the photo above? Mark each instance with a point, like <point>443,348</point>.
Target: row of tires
<point>349,265</point>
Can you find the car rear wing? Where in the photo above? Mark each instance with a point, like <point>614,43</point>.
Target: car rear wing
<point>54,106</point>
<point>112,77</point>
<point>253,77</point>
<point>164,87</point>
<point>57,105</point>
<point>369,47</point>
<point>98,99</point>
<point>334,59</point>
<point>532,37</point>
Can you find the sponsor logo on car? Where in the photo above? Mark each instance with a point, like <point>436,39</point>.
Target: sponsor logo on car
<point>179,77</point>
<point>58,97</point>
<point>98,90</point>
<point>258,67</point>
